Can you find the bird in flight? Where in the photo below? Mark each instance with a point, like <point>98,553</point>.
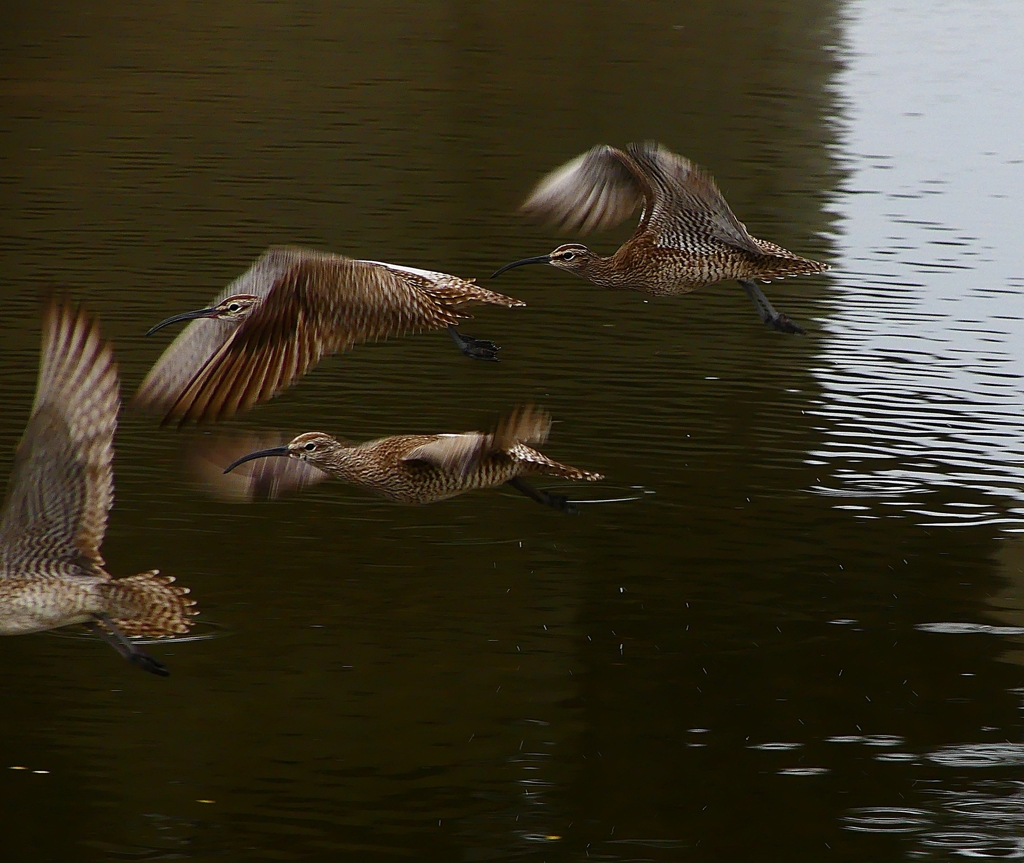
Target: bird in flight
<point>292,307</point>
<point>687,236</point>
<point>58,498</point>
<point>420,468</point>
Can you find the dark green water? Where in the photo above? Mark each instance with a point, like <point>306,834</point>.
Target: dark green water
<point>757,659</point>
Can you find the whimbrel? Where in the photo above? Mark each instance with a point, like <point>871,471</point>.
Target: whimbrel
<point>417,469</point>
<point>60,491</point>
<point>687,237</point>
<point>292,307</point>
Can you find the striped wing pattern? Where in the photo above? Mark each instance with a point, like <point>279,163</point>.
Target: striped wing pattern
<point>683,208</point>
<point>596,190</point>
<point>202,338</point>
<point>458,453</point>
<point>62,486</point>
<point>687,207</point>
<point>314,304</point>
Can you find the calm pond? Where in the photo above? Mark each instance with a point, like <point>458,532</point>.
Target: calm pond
<point>802,640</point>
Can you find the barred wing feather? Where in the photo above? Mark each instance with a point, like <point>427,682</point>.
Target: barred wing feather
<point>62,486</point>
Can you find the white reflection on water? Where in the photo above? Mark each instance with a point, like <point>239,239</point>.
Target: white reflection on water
<point>923,361</point>
<point>886,819</point>
<point>969,629</point>
<point>984,820</point>
<point>979,755</point>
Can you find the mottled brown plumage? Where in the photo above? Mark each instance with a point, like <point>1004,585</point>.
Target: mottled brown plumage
<point>687,238</point>
<point>60,491</point>
<point>417,469</point>
<point>292,307</point>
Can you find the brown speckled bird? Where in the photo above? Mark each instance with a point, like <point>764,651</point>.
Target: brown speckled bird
<point>292,307</point>
<point>687,237</point>
<point>60,491</point>
<point>417,469</point>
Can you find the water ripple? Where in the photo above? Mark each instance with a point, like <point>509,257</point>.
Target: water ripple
<point>950,628</point>
<point>979,755</point>
<point>886,819</point>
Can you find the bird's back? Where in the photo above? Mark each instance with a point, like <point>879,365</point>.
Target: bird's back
<point>427,468</point>
<point>698,260</point>
<point>389,467</point>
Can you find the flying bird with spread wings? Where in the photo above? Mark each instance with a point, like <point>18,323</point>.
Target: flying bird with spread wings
<point>291,308</point>
<point>60,492</point>
<point>414,469</point>
<point>687,238</point>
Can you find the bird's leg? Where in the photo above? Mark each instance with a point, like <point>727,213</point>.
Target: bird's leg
<point>129,650</point>
<point>475,349</point>
<point>555,501</point>
<point>776,320</point>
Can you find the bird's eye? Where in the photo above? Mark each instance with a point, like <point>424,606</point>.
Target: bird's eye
<point>235,307</point>
<point>568,256</point>
<point>310,447</point>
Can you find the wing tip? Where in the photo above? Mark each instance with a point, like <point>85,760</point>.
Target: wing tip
<point>526,423</point>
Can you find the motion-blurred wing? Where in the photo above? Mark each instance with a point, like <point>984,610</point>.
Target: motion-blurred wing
<point>202,338</point>
<point>321,305</point>
<point>524,424</point>
<point>260,479</point>
<point>452,453</point>
<point>62,485</point>
<point>596,190</point>
<point>459,452</point>
<point>686,205</point>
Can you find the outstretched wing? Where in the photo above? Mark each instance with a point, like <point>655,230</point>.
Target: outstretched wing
<point>686,206</point>
<point>596,190</point>
<point>458,453</point>
<point>451,453</point>
<point>62,486</point>
<point>321,304</point>
<point>202,338</point>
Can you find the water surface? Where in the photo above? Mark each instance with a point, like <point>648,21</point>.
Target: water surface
<point>804,639</point>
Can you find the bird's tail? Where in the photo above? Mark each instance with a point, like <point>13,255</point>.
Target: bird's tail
<point>541,464</point>
<point>149,604</point>
<point>778,263</point>
<point>456,293</point>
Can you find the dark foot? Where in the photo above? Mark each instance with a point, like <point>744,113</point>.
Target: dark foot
<point>475,349</point>
<point>776,320</point>
<point>784,324</point>
<point>555,501</point>
<point>129,650</point>
<point>148,663</point>
<point>560,502</point>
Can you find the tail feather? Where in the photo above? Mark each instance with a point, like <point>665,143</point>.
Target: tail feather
<point>150,604</point>
<point>457,293</point>
<point>540,463</point>
<point>779,262</point>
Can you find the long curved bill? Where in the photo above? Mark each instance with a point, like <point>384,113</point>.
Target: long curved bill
<point>260,453</point>
<point>540,259</point>
<point>184,316</point>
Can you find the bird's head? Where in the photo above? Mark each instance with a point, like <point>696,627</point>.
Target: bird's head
<point>574,257</point>
<point>315,448</point>
<point>234,308</point>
